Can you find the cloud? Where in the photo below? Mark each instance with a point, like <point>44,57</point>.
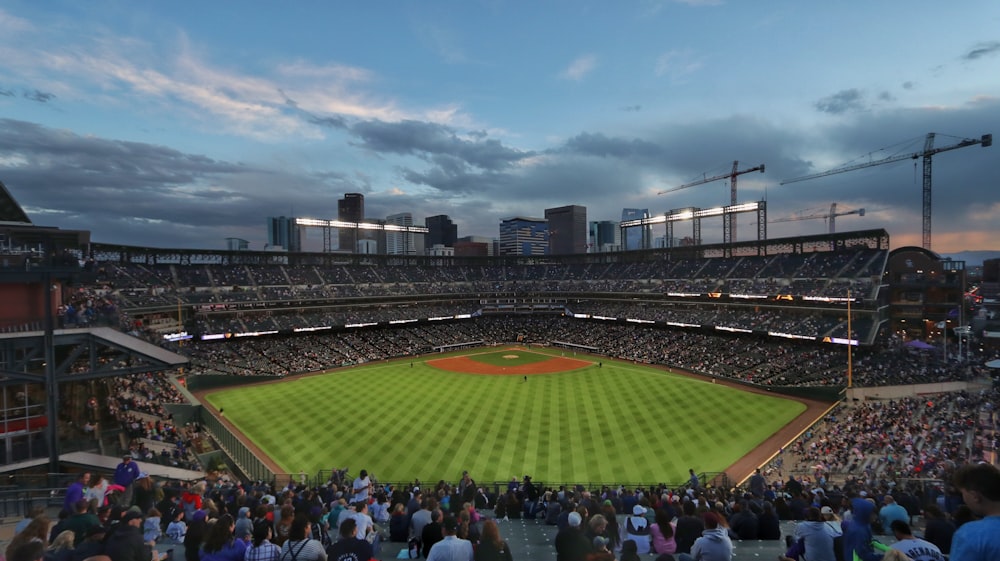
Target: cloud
<point>38,95</point>
<point>7,93</point>
<point>841,102</point>
<point>677,64</point>
<point>632,108</point>
<point>909,85</point>
<point>428,140</point>
<point>579,68</point>
<point>984,49</point>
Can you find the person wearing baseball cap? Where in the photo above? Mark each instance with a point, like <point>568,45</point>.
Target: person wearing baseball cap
<point>637,529</point>
<point>125,475</point>
<point>125,543</point>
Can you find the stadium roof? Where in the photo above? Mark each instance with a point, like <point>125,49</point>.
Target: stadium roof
<point>10,211</point>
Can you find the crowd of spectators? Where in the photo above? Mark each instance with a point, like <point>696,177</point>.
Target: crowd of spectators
<point>658,519</point>
<point>756,360</point>
<point>893,439</point>
<point>819,273</point>
<point>138,403</point>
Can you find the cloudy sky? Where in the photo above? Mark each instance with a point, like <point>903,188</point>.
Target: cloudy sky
<point>178,124</point>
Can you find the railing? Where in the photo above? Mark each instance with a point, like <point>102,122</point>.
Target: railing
<point>251,465</point>
<point>705,479</point>
<point>16,501</point>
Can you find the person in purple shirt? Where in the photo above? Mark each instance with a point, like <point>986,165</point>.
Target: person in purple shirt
<point>75,492</point>
<point>125,475</point>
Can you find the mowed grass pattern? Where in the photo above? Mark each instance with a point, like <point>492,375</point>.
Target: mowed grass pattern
<point>622,422</point>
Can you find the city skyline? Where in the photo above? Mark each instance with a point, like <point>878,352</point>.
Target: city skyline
<point>181,125</point>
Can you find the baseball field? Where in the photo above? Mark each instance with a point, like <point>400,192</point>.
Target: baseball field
<point>503,412</point>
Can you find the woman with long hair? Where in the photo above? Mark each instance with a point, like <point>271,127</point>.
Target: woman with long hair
<point>662,533</point>
<point>300,547</point>
<point>283,525</point>
<point>221,544</point>
<point>195,534</point>
<point>399,524</point>
<point>97,491</point>
<point>62,547</point>
<point>613,531</point>
<point>491,546</point>
<point>261,549</point>
<point>36,530</point>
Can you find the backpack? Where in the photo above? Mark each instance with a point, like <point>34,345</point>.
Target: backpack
<point>413,548</point>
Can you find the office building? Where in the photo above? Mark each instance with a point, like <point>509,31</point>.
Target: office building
<point>284,234</point>
<point>442,231</point>
<point>350,209</point>
<point>603,236</point>
<point>567,229</point>
<point>521,235</point>
<point>475,246</point>
<point>400,243</point>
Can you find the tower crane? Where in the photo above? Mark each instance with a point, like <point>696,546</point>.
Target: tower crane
<point>831,217</point>
<point>732,189</point>
<point>929,150</point>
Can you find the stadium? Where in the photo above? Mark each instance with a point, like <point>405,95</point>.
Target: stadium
<point>616,374</point>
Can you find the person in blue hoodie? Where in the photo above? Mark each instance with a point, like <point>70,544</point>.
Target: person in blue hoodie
<point>714,543</point>
<point>858,532</point>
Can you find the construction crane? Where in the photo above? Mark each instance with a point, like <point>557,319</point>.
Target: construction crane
<point>731,176</point>
<point>929,150</point>
<point>831,217</point>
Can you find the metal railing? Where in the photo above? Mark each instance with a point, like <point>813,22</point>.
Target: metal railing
<point>245,460</point>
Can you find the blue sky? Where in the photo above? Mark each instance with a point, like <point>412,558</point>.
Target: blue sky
<point>180,124</point>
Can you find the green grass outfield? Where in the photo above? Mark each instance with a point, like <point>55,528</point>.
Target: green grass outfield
<point>622,422</point>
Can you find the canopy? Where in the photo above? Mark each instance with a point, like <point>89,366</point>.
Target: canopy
<point>919,345</point>
<point>993,363</point>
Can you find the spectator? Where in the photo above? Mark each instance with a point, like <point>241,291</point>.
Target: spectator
<point>637,529</point>
<point>125,542</point>
<point>261,548</point>
<point>125,475</point>
<point>221,544</point>
<point>27,551</point>
<point>491,546</point>
<point>92,544</point>
<point>815,536</point>
<point>892,511</point>
<point>349,547</point>
<point>914,548</point>
<point>662,533</point>
<point>688,529</point>
<point>61,548</point>
<point>451,548</point>
<point>714,543</point>
<point>431,533</point>
<point>978,540</point>
<point>75,492</point>
<point>36,530</point>
<point>571,544</point>
<point>299,546</point>
<point>938,528</point>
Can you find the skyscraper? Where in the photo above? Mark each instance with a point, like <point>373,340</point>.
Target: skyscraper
<point>282,232</point>
<point>442,231</point>
<point>521,235</point>
<point>604,236</point>
<point>400,243</point>
<point>567,229</point>
<point>350,209</point>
